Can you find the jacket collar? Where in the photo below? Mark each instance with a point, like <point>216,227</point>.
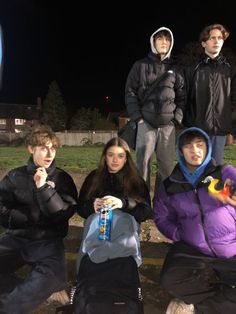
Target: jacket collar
<point>220,59</point>
<point>178,183</point>
<point>31,167</point>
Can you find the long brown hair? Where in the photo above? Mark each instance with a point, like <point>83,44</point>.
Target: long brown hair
<point>132,183</point>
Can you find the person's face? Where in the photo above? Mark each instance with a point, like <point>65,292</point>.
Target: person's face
<point>162,45</point>
<point>194,153</point>
<point>43,156</point>
<point>115,158</point>
<point>214,43</point>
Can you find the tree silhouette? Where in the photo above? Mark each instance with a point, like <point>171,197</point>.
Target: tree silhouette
<point>90,119</point>
<point>54,111</point>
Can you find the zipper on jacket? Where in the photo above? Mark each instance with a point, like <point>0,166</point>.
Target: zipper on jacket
<point>202,219</point>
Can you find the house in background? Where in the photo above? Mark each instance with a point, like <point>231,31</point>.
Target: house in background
<point>17,118</point>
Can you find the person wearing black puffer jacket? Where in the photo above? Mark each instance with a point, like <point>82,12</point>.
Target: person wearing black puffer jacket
<point>117,177</point>
<point>107,271</point>
<point>155,100</point>
<point>211,90</point>
<point>36,202</point>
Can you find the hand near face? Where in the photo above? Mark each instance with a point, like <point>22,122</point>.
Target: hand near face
<point>40,177</point>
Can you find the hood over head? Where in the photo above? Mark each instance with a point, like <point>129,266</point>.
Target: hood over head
<point>163,28</point>
<point>195,176</point>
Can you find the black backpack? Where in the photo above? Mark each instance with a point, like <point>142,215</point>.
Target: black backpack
<point>111,287</point>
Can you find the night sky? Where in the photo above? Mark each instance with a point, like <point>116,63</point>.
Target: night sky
<point>89,51</point>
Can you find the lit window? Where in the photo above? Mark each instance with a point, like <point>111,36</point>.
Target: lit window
<point>20,121</point>
<point>3,121</point>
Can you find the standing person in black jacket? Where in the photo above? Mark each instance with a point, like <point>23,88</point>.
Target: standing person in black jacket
<point>107,273</point>
<point>161,110</point>
<point>36,202</point>
<point>211,90</point>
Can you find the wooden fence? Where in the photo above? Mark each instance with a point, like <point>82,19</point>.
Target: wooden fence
<point>67,138</point>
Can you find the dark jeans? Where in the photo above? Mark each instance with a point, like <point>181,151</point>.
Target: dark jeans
<point>47,275</point>
<point>184,276</point>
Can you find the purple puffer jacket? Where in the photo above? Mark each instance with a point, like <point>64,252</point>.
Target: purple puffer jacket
<point>184,213</point>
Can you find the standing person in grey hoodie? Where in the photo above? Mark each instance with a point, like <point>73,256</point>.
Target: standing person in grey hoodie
<point>155,99</point>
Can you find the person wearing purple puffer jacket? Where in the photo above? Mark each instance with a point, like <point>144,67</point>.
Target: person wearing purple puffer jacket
<point>202,227</point>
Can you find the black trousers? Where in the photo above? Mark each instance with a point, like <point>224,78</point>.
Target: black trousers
<point>185,277</point>
<point>47,275</point>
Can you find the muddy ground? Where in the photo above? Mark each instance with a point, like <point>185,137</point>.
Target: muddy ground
<point>154,247</point>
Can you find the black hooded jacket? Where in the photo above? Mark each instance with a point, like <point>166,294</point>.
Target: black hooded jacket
<point>155,89</point>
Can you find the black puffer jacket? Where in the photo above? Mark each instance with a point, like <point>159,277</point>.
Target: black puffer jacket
<point>33,213</point>
<point>211,90</point>
<point>166,103</point>
<point>113,186</point>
